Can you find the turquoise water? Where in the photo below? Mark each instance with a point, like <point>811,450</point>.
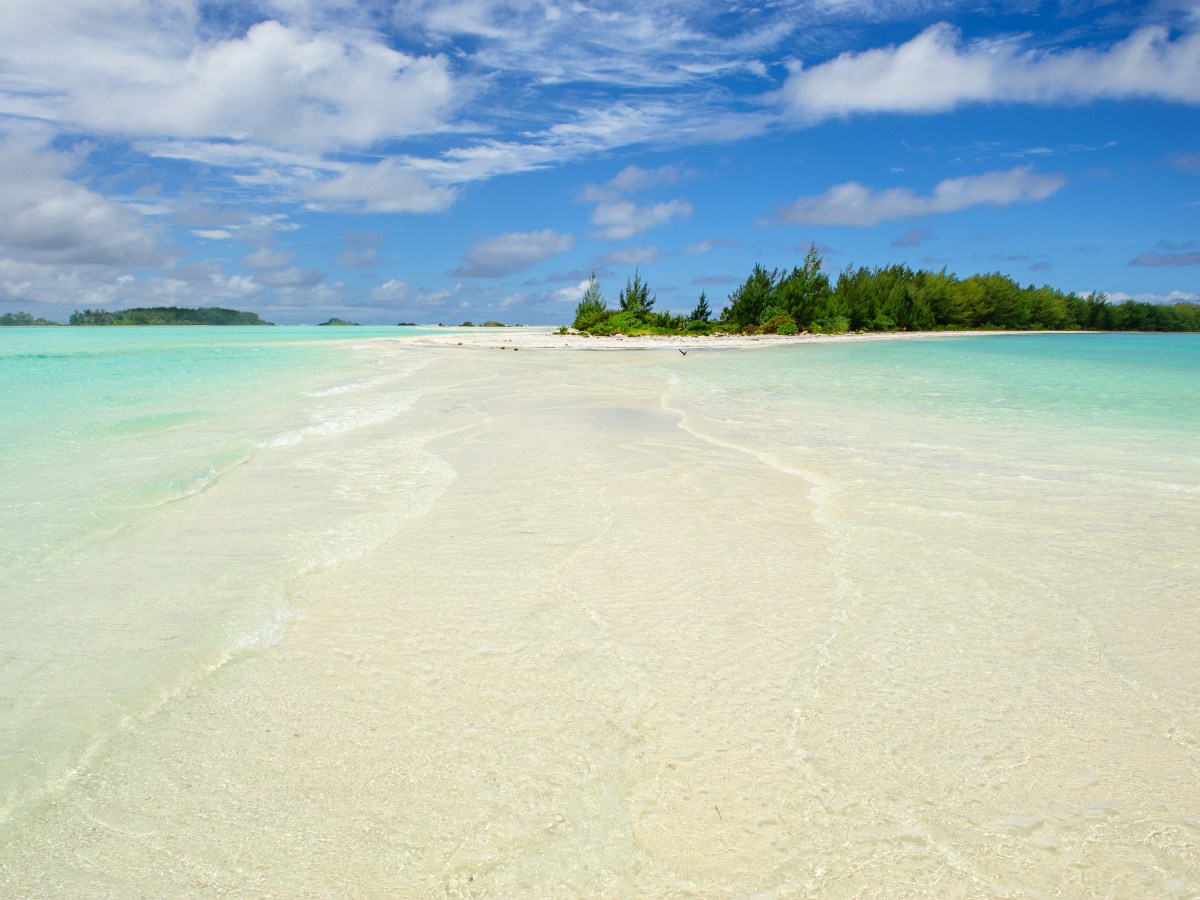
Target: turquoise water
<point>119,580</point>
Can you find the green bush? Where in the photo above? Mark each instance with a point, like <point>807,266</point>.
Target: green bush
<point>787,328</point>
<point>831,325</point>
<point>775,323</point>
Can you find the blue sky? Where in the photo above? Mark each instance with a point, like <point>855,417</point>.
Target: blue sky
<point>442,161</point>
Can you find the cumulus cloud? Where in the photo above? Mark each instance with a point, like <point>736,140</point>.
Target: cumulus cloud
<point>620,218</point>
<point>572,293</point>
<point>276,85</point>
<point>512,252</point>
<point>48,218</point>
<point>623,219</point>
<point>937,71</point>
<point>389,186</point>
<point>852,203</point>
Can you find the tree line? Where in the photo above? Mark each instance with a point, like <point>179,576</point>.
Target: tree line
<point>166,315</point>
<point>884,298</point>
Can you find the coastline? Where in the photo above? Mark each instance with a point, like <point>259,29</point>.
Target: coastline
<point>547,338</point>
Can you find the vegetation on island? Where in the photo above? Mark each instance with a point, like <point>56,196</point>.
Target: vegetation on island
<point>167,315</point>
<point>888,298</point>
<point>23,318</point>
<point>336,321</point>
<point>492,324</point>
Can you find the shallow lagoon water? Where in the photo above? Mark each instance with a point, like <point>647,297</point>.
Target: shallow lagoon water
<point>898,618</point>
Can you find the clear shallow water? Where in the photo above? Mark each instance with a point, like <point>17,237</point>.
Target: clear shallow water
<point>882,618</point>
<point>119,580</point>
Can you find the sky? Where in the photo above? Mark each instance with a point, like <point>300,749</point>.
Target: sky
<point>390,161</point>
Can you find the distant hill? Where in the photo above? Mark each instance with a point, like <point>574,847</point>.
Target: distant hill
<point>167,315</point>
<point>336,321</point>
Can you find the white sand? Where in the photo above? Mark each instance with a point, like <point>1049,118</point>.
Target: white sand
<point>544,338</point>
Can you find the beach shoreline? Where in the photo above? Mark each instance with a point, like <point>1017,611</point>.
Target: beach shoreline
<point>547,338</point>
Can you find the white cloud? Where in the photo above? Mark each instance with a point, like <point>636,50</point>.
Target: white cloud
<point>397,293</point>
<point>620,218</point>
<point>512,252</point>
<point>46,217</point>
<point>623,219</point>
<point>852,203</point>
<point>704,247</point>
<point>388,186</point>
<point>646,45</point>
<point>266,258</point>
<point>936,72</point>
<point>290,278</point>
<point>572,293</point>
<point>276,85</point>
<point>392,289</point>
<point>634,256</point>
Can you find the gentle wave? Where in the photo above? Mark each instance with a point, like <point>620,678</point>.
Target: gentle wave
<point>334,423</point>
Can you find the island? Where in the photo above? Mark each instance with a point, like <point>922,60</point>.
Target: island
<point>23,318</point>
<point>336,321</point>
<point>167,315</point>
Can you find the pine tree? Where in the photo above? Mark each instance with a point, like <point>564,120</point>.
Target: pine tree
<point>635,297</point>
<point>701,313</point>
<point>592,307</point>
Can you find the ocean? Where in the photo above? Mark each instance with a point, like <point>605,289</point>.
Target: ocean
<point>307,612</point>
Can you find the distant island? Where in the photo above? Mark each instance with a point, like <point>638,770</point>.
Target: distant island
<point>167,315</point>
<point>406,324</point>
<point>23,318</point>
<point>336,321</point>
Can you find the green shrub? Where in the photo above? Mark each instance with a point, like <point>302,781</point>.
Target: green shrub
<point>773,325</point>
<point>831,325</point>
<point>883,322</point>
<point>788,327</point>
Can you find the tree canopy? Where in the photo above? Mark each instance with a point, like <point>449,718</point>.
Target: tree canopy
<point>884,298</point>
<point>166,315</point>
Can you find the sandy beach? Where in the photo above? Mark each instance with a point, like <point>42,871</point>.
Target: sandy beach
<point>634,625</point>
<point>543,338</point>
